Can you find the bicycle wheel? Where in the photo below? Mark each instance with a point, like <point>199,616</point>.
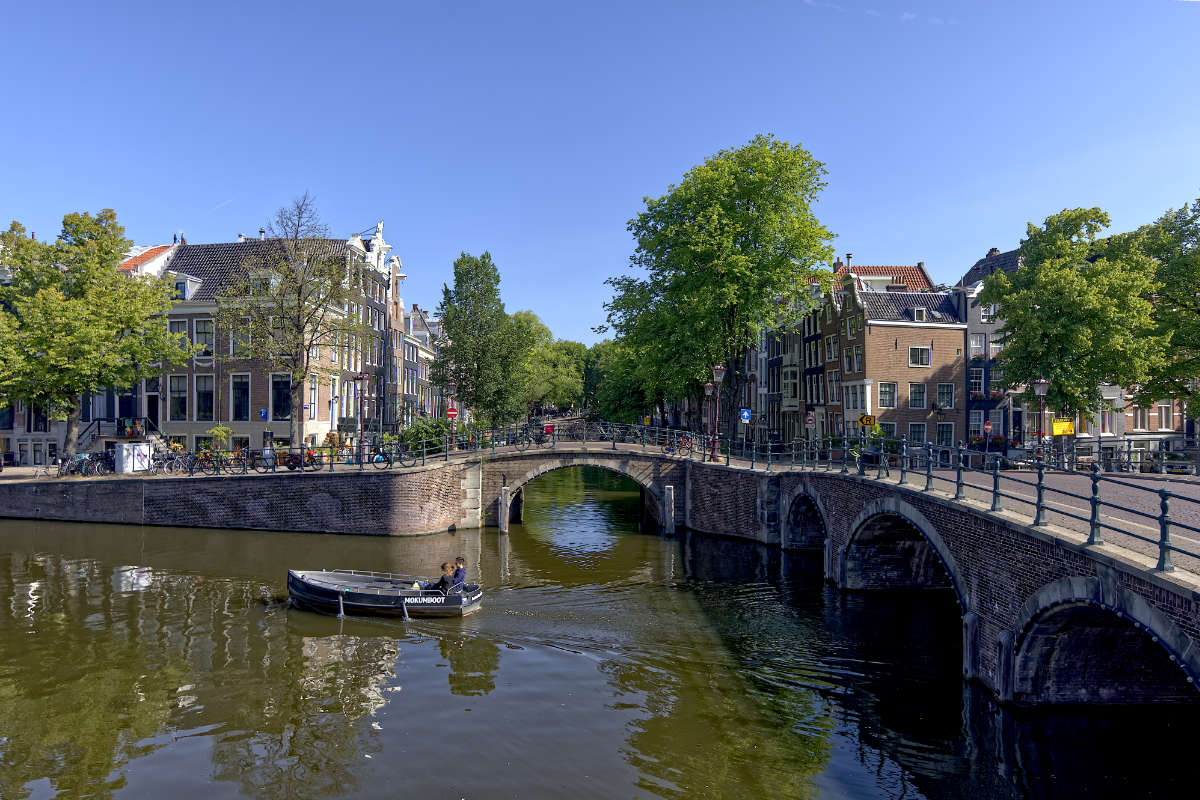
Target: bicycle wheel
<point>235,465</point>
<point>407,458</point>
<point>64,468</point>
<point>382,458</point>
<point>316,461</point>
<point>260,463</point>
<point>208,465</point>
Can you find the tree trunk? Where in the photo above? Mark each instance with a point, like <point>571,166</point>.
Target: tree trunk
<point>297,422</point>
<point>71,434</point>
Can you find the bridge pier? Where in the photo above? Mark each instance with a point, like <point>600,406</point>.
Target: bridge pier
<point>502,511</point>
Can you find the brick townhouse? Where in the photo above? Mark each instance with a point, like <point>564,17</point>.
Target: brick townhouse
<point>895,355</point>
<point>218,387</point>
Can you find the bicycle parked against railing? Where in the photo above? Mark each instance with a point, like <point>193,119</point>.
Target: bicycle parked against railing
<point>679,445</point>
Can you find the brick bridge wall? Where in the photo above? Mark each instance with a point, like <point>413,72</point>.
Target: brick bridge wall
<point>1045,618</point>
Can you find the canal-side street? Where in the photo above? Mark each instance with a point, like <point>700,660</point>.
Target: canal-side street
<point>141,662</point>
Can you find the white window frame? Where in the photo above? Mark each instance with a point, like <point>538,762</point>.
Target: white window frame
<point>912,437</point>
<point>920,347</point>
<point>212,333</point>
<point>196,396</point>
<point>988,313</point>
<point>271,396</point>
<point>976,344</point>
<point>953,396</point>
<point>895,394</point>
<point>249,393</point>
<point>975,426</point>
<point>187,393</point>
<point>924,396</point>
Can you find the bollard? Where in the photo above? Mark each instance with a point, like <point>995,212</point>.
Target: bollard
<point>959,494</point>
<point>1039,517</point>
<point>1094,523</point>
<point>903,460</point>
<point>1164,533</point>
<point>928,466</point>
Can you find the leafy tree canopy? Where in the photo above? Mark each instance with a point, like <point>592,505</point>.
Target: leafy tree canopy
<point>1076,313</point>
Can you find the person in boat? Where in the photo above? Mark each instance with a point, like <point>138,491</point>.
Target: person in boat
<point>460,571</point>
<point>445,583</point>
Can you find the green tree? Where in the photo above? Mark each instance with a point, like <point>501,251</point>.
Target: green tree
<point>729,252</point>
<point>482,348</point>
<point>1076,313</point>
<point>619,386</point>
<point>1173,241</point>
<point>74,323</point>
<point>552,371</point>
<point>290,298</point>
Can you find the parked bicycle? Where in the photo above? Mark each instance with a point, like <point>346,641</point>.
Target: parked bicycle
<point>679,445</point>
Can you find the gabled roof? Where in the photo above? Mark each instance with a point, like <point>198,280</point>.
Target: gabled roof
<point>994,261</point>
<point>912,276</point>
<point>133,262</point>
<point>940,307</point>
<point>216,265</point>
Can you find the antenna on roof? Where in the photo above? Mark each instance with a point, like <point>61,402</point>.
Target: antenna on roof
<point>848,257</point>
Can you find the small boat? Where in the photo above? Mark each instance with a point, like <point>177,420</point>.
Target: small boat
<point>347,591</point>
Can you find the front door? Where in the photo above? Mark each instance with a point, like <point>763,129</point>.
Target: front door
<point>127,405</point>
<point>152,408</point>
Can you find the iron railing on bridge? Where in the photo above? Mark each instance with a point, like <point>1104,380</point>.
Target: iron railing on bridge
<point>1140,512</point>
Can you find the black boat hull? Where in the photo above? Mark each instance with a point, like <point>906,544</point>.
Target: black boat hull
<point>322,593</point>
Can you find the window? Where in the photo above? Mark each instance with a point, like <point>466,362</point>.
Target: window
<point>1141,419</point>
<point>178,329</point>
<point>916,395</point>
<point>996,386</point>
<point>333,348</point>
<point>1165,416</point>
<point>848,360</point>
<point>975,428</point>
<point>281,397</point>
<point>239,338</point>
<point>918,315</point>
<point>995,346</point>
<point>987,314</point>
<point>977,381</point>
<point>6,417</point>
<point>916,432</point>
<point>204,336</point>
<point>945,434</point>
<point>179,397</point>
<point>889,429</point>
<point>996,417</point>
<point>919,356</point>
<point>887,395</point>
<point>976,341</point>
<point>239,398</point>
<point>945,396</point>
<point>85,410</point>
<point>312,399</point>
<point>204,398</point>
<point>858,358</point>
<point>835,386</point>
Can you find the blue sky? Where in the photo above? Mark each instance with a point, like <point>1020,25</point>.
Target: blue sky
<point>533,130</point>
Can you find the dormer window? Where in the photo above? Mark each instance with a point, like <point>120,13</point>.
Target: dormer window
<point>918,315</point>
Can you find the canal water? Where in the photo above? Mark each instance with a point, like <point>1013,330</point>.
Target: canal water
<point>607,662</point>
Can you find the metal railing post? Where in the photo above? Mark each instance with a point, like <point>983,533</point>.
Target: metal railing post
<point>643,438</point>
<point>845,466</point>
<point>360,457</point>
<point>449,439</point>
<point>959,494</point>
<point>768,456</point>
<point>1094,523</point>
<point>1164,533</point>
<point>424,450</point>
<point>728,448</point>
<point>881,461</point>
<point>903,460</point>
<point>996,506</point>
<point>1039,517</point>
<point>928,466</point>
<point>793,453</point>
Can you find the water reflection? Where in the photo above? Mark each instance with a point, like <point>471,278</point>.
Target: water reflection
<point>605,663</point>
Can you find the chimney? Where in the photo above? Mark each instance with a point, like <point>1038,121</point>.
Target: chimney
<point>262,233</point>
<point>848,257</point>
<point>241,236</point>
<point>921,266</point>
<point>838,264</point>
<point>995,251</point>
<point>896,287</point>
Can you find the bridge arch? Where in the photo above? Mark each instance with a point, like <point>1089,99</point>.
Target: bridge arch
<point>1090,640</point>
<point>524,474</point>
<point>893,546</point>
<point>804,520</point>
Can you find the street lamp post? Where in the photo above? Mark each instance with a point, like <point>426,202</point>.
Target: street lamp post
<point>718,373</point>
<point>1041,388</point>
<point>360,379</point>
<point>708,416</point>
<point>451,388</point>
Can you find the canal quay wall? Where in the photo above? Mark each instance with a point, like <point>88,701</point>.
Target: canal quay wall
<point>425,500</point>
<point>1046,617</point>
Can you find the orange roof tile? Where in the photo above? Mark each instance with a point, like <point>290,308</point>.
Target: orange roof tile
<point>912,276</point>
<point>133,262</point>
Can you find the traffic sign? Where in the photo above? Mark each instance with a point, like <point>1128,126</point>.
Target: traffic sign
<point>452,412</point>
<point>745,415</point>
<point>987,426</point>
<point>810,421</point>
<point>262,413</point>
<point>866,420</point>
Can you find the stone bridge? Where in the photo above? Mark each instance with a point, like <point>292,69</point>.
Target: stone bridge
<point>1046,617</point>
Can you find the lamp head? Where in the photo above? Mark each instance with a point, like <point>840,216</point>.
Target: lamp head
<point>1041,387</point>
<point>718,371</point>
<point>708,388</point>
